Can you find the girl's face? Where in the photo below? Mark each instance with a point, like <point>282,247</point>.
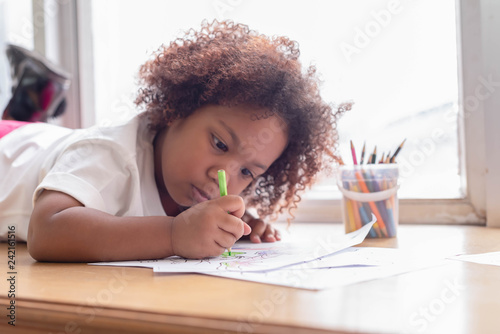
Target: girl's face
<point>189,153</point>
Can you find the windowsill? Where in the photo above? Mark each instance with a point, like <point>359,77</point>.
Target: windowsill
<point>411,211</point>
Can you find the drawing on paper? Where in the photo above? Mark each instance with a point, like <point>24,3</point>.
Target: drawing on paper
<point>248,257</point>
<point>241,258</point>
<point>233,254</point>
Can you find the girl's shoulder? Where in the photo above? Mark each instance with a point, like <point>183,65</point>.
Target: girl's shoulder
<point>127,133</point>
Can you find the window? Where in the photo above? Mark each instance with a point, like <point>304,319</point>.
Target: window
<point>397,61</point>
<point>415,69</point>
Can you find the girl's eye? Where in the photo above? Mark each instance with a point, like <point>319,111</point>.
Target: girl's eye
<point>220,145</point>
<point>246,172</point>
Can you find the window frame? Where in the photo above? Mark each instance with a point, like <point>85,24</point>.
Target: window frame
<point>477,50</point>
<point>63,37</point>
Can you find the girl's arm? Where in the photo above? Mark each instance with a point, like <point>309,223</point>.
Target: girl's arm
<point>62,229</point>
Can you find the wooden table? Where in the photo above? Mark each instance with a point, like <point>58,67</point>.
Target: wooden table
<point>459,297</point>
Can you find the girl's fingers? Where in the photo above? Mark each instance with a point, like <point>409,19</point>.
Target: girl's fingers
<point>262,232</point>
<point>277,235</point>
<point>232,204</point>
<point>269,234</point>
<point>258,229</point>
<point>234,227</point>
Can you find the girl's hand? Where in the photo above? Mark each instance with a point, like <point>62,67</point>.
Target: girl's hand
<point>207,229</point>
<point>261,231</point>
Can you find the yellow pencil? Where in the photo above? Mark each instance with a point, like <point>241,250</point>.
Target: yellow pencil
<point>350,215</point>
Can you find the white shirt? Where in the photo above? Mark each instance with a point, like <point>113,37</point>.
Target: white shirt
<point>106,168</point>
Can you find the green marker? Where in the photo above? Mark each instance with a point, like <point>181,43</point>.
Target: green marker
<point>223,189</point>
<point>222,182</point>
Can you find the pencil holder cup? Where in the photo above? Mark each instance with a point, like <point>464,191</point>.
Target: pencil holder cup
<point>370,190</point>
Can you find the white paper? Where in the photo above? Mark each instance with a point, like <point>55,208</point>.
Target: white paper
<point>247,256</point>
<point>492,258</point>
<point>350,266</point>
<point>359,256</point>
<point>324,262</point>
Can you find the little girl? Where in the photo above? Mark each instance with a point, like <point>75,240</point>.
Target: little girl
<point>221,98</point>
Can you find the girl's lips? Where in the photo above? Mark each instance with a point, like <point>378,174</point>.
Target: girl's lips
<point>199,196</point>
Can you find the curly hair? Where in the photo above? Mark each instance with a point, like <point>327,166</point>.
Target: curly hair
<point>227,64</point>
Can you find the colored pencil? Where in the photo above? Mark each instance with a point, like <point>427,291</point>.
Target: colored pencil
<point>350,215</point>
<point>372,181</point>
<point>223,190</point>
<point>382,159</point>
<point>365,218</point>
<point>374,155</point>
<point>363,153</point>
<point>358,213</point>
<point>364,188</point>
<point>357,218</point>
<point>388,158</point>
<point>353,152</point>
<point>393,158</point>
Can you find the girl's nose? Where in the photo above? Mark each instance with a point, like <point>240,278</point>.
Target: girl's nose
<point>230,168</point>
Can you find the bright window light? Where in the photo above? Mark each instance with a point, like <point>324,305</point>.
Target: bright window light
<point>397,60</point>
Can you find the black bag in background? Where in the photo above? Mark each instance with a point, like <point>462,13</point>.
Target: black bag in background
<point>38,87</point>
